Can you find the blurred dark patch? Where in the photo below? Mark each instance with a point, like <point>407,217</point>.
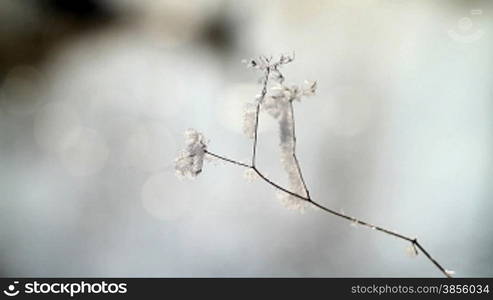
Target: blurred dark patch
<point>32,29</point>
<point>81,9</point>
<point>219,34</point>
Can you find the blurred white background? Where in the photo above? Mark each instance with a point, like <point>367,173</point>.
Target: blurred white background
<point>95,97</point>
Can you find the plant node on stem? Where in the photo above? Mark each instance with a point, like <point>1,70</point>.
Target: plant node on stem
<point>279,104</point>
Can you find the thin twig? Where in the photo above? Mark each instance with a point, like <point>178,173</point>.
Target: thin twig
<point>352,219</point>
<point>265,81</point>
<point>228,159</point>
<point>273,67</point>
<point>269,181</point>
<point>295,158</point>
<point>434,261</point>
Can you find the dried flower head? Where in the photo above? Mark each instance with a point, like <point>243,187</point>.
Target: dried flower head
<point>277,99</point>
<point>191,159</point>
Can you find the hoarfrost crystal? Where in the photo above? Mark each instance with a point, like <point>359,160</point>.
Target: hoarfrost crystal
<point>276,99</point>
<point>190,161</point>
<point>249,120</point>
<point>411,251</point>
<point>250,175</point>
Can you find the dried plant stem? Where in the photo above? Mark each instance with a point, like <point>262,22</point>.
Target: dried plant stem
<point>190,162</point>
<point>265,79</point>
<point>263,93</point>
<point>414,242</point>
<point>228,159</point>
<point>297,163</point>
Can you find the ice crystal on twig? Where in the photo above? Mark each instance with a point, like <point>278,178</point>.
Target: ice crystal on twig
<point>249,120</point>
<point>277,100</point>
<point>412,251</point>
<point>189,163</point>
<point>279,105</point>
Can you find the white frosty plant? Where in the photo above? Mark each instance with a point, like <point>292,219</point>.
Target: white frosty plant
<point>277,99</point>
<point>189,163</point>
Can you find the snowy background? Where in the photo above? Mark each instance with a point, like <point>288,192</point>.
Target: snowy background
<point>95,97</point>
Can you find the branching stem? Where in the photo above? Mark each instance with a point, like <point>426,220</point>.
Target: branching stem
<point>263,93</point>
<point>413,241</point>
<point>268,70</point>
<point>298,168</point>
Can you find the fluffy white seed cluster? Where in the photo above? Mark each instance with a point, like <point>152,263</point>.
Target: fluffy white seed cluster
<point>295,183</point>
<point>190,161</point>
<point>287,145</point>
<point>249,120</point>
<point>277,100</point>
<point>278,104</point>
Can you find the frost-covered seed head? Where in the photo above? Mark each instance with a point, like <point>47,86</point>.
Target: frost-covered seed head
<point>190,161</point>
<point>249,120</point>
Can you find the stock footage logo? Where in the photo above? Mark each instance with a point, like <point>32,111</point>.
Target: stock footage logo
<point>11,290</point>
<point>70,288</point>
<point>466,31</point>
